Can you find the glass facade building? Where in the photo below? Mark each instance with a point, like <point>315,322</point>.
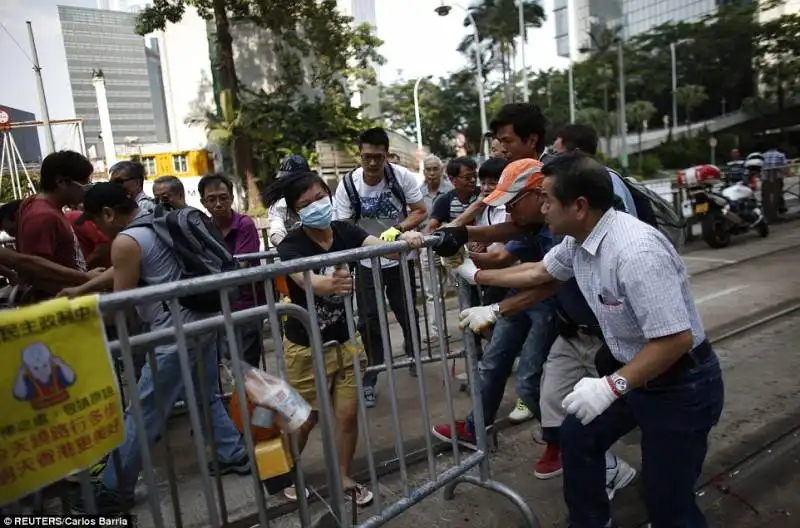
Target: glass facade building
<point>633,17</point>
<point>96,39</point>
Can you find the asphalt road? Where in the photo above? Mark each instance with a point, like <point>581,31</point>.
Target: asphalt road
<point>731,286</point>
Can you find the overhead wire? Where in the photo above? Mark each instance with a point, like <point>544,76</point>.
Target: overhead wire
<point>25,53</point>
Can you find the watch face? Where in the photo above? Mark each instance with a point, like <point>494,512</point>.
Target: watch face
<point>621,384</point>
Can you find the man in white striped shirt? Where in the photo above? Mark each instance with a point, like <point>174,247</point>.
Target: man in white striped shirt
<point>670,384</point>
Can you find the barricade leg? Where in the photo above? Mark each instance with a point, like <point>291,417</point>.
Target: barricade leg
<point>483,479</point>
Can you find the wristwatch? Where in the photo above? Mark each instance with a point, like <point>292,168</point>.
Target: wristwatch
<point>618,384</point>
<point>496,311</point>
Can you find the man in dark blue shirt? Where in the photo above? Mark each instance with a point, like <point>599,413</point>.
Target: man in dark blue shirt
<point>528,333</point>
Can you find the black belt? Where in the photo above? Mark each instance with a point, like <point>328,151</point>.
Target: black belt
<point>567,328</point>
<point>697,356</point>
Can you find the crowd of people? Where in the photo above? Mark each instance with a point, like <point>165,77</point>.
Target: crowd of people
<point>592,304</point>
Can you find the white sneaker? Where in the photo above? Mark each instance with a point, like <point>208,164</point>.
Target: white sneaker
<point>618,476</point>
<point>520,413</point>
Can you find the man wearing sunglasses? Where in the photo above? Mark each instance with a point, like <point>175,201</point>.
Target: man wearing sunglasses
<point>130,174</point>
<point>42,228</point>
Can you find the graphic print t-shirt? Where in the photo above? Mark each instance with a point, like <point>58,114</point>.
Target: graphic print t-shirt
<point>330,309</point>
<point>380,208</point>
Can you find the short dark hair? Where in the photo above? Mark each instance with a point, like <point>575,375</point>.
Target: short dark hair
<point>374,136</point>
<point>579,174</point>
<point>213,180</point>
<point>292,186</point>
<point>454,165</point>
<point>107,194</point>
<point>130,168</point>
<point>579,137</point>
<point>64,164</point>
<point>492,169</point>
<point>526,119</point>
<point>175,184</point>
<point>8,211</point>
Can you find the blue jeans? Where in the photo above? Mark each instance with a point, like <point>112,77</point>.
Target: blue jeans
<point>529,334</point>
<point>675,420</point>
<point>171,387</point>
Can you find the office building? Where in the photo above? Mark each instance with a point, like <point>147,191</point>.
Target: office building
<point>634,17</point>
<point>363,11</point>
<point>26,139</point>
<point>97,39</point>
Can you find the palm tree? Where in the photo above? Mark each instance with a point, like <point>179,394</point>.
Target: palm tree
<point>690,97</point>
<point>497,22</point>
<point>598,119</point>
<point>640,112</point>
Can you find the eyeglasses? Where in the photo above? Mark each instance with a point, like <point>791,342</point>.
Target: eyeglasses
<point>518,198</point>
<point>214,200</point>
<point>373,158</point>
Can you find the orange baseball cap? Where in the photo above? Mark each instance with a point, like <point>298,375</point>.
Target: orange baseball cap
<point>518,176</point>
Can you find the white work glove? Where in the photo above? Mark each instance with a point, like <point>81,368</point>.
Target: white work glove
<point>589,399</point>
<point>477,318</point>
<point>467,271</point>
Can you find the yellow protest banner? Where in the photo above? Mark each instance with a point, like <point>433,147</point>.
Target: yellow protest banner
<point>58,392</point>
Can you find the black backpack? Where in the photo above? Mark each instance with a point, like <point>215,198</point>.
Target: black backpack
<point>652,209</point>
<point>198,247</point>
<point>394,187</point>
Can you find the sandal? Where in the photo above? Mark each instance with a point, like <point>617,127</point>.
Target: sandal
<point>291,493</point>
<point>363,496</point>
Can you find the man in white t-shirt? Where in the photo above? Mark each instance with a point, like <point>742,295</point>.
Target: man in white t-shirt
<point>385,200</point>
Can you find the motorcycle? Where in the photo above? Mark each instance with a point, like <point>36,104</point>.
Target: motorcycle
<point>733,210</point>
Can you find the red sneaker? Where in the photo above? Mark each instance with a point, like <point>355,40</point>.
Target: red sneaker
<point>463,436</point>
<point>549,466</point>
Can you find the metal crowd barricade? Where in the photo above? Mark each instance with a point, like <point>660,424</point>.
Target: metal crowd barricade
<point>216,492</point>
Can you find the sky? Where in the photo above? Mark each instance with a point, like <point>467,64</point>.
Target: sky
<point>417,42</point>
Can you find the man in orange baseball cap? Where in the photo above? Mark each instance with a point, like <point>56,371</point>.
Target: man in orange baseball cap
<point>528,333</point>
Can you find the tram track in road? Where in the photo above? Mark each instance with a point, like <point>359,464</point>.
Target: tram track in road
<point>741,474</point>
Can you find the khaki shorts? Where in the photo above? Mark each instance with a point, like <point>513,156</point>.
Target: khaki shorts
<point>338,366</point>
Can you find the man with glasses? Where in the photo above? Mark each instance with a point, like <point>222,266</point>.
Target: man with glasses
<point>385,200</point>
<point>130,174</point>
<point>433,186</point>
<point>42,228</point>
<point>241,236</point>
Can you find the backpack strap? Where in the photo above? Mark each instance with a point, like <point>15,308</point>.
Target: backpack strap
<point>397,190</point>
<point>352,195</point>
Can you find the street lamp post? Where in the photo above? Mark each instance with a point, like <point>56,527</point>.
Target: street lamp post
<point>419,124</point>
<point>525,91</point>
<point>444,10</point>
<point>623,151</point>
<point>674,83</point>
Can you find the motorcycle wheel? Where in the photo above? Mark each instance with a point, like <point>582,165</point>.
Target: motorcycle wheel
<point>715,231</point>
<point>763,229</point>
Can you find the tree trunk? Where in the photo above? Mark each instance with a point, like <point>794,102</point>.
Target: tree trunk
<point>240,146</point>
<point>688,122</point>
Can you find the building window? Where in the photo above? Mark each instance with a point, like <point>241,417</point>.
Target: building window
<point>149,166</point>
<point>179,164</point>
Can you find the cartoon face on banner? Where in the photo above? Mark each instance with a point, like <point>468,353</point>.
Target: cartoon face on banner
<point>59,394</point>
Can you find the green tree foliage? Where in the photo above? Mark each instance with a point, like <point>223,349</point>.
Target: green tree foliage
<point>447,105</point>
<point>320,59</point>
<point>498,28</point>
<point>690,97</point>
<point>639,114</point>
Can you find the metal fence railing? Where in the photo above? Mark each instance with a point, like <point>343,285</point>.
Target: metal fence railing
<point>173,501</point>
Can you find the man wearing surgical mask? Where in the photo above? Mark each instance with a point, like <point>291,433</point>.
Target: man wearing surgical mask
<point>307,195</point>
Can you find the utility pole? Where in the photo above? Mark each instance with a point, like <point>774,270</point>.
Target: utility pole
<point>49,145</point>
<point>525,91</point>
<point>623,151</point>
